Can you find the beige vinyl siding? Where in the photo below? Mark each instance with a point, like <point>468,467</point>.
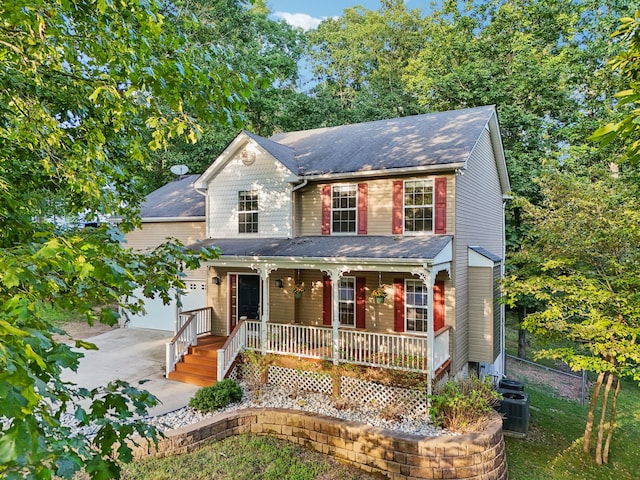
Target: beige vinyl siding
<point>281,300</point>
<point>379,206</point>
<point>451,204</point>
<point>478,221</point>
<point>310,211</point>
<point>153,234</point>
<point>482,315</point>
<point>217,299</point>
<point>497,294</point>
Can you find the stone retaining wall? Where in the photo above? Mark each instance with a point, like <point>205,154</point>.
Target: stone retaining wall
<point>477,456</point>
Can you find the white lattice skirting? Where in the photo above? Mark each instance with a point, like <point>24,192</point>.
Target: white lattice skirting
<point>353,389</point>
<point>364,391</point>
<point>302,380</point>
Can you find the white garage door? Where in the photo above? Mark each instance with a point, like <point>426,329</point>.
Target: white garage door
<point>163,317</point>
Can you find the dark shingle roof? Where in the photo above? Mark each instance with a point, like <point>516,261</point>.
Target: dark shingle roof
<point>486,253</point>
<point>413,141</point>
<point>283,153</point>
<point>374,247</point>
<point>174,200</point>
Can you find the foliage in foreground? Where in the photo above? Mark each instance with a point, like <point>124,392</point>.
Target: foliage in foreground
<point>223,393</point>
<point>89,89</point>
<point>585,241</point>
<point>463,406</point>
<point>244,457</point>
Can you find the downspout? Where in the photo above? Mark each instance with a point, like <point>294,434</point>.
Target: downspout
<point>505,199</point>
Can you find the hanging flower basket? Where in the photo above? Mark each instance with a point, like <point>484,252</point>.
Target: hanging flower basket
<point>379,294</point>
<point>298,290</point>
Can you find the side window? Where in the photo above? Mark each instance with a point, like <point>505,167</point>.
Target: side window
<point>418,206</point>
<point>347,301</point>
<point>415,300</point>
<point>248,212</point>
<point>343,208</point>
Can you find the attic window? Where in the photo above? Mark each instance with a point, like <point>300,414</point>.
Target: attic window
<point>248,211</point>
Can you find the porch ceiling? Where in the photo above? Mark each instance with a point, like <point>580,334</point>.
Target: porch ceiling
<point>416,250</point>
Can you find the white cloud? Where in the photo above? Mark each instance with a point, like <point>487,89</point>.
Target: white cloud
<point>302,20</point>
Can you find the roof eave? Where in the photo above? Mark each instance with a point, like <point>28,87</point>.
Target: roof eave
<point>440,168</point>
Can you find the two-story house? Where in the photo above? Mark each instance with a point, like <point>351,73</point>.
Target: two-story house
<point>309,224</point>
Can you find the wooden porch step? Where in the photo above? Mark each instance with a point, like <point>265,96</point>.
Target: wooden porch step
<point>200,380</point>
<point>199,365</point>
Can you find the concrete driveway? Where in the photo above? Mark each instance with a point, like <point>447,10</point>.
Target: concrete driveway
<point>137,356</point>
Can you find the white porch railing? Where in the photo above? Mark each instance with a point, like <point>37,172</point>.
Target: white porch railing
<point>245,335</point>
<point>394,351</point>
<point>190,324</point>
<point>441,348</point>
<point>402,352</point>
<point>298,340</point>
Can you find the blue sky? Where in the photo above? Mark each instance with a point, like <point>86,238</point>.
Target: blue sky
<point>308,13</point>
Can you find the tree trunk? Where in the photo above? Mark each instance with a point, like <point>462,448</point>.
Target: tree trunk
<point>612,419</point>
<point>522,333</point>
<point>592,408</point>
<point>603,415</point>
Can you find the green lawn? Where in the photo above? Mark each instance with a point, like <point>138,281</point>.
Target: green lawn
<point>553,449</point>
<point>245,457</point>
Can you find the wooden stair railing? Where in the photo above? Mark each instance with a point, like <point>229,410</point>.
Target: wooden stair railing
<point>194,323</point>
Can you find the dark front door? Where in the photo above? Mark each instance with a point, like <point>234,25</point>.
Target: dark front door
<point>249,297</point>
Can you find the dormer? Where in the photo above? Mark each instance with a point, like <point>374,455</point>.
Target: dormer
<point>249,190</point>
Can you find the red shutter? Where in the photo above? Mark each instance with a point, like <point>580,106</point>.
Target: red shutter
<point>396,212</point>
<point>326,209</point>
<point>438,305</point>
<point>362,208</point>
<point>361,310</point>
<point>440,219</point>
<point>327,301</point>
<point>233,306</point>
<point>398,305</point>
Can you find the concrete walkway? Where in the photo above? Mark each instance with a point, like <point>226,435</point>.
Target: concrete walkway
<point>137,356</point>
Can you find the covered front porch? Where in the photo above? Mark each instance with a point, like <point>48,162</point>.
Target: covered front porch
<point>326,307</point>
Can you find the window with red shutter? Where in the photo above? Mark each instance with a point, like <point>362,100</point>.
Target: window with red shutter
<point>361,310</point>
<point>362,208</point>
<point>398,305</point>
<point>398,204</point>
<point>326,209</point>
<point>440,206</point>
<point>327,301</point>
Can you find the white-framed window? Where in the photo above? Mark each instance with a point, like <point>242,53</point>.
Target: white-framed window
<point>347,301</point>
<point>415,304</point>
<point>344,207</point>
<point>248,211</point>
<point>418,206</point>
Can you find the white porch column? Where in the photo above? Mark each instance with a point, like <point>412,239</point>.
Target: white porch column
<point>264,272</point>
<point>428,279</point>
<point>335,276</point>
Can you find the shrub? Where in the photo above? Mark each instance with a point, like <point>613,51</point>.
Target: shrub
<point>463,406</point>
<point>208,399</point>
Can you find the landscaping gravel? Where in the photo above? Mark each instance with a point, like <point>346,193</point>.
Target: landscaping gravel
<point>279,397</point>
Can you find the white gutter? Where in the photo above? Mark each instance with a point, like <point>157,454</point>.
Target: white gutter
<point>172,219</point>
<point>389,171</point>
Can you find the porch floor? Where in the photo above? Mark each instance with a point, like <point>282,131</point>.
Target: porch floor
<point>199,365</point>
